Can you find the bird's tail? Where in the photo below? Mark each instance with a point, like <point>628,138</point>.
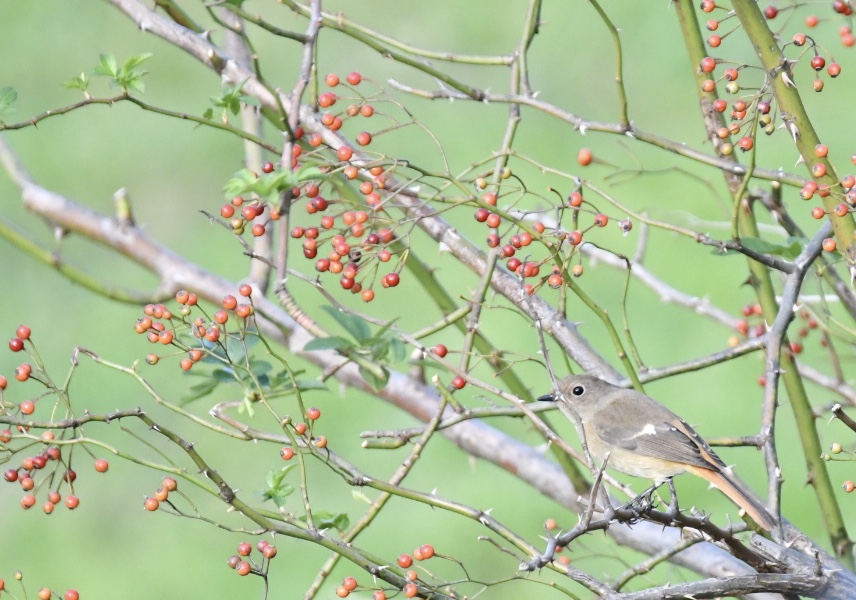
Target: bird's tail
<point>729,486</point>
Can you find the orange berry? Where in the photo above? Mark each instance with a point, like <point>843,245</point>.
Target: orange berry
<point>585,157</point>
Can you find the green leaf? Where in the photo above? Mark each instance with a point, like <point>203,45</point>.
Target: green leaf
<point>361,496</point>
<point>135,61</point>
<point>8,95</point>
<point>277,489</point>
<point>311,384</point>
<point>376,382</point>
<point>209,112</point>
<point>379,350</point>
<point>200,390</point>
<point>81,82</point>
<point>135,84</point>
<point>308,173</point>
<point>398,351</point>
<point>328,520</point>
<point>108,65</point>
<point>223,376</point>
<point>353,324</point>
<point>328,343</point>
<point>382,332</point>
<point>276,477</point>
<point>790,251</point>
<point>259,366</point>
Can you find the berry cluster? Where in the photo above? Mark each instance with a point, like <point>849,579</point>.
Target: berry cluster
<point>520,236</point>
<point>43,468</point>
<point>359,240</point>
<point>44,593</point>
<point>161,326</point>
<point>301,430</point>
<point>757,109</point>
<point>152,503</point>
<point>243,564</point>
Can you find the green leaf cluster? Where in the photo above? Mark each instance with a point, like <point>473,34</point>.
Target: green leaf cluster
<point>269,185</point>
<point>256,377</point>
<point>128,76</point>
<point>384,346</point>
<point>229,102</point>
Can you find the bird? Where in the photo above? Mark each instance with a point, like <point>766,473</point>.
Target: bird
<point>645,439</point>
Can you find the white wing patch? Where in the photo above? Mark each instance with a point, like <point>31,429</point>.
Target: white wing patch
<point>649,429</point>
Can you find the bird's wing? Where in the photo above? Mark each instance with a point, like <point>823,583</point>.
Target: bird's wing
<point>655,432</point>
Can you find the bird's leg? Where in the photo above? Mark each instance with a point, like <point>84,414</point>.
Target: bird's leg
<point>673,501</point>
<point>644,502</point>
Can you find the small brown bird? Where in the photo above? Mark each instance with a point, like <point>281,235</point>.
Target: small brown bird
<point>646,439</point>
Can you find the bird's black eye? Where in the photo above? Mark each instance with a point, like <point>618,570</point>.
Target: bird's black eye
<point>578,390</point>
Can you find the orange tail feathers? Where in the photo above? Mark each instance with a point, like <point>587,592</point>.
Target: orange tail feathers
<point>739,496</point>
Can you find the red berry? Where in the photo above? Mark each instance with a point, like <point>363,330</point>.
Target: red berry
<point>354,78</point>
<point>708,64</point>
<point>817,63</point>
<point>23,332</point>
<point>286,453</point>
<point>101,465</point>
<point>245,290</point>
<point>72,502</point>
<point>313,413</point>
<point>364,138</point>
<point>349,583</point>
<point>771,11</point>
<point>72,595</point>
<point>459,382</point>
<point>404,561</point>
<point>28,407</point>
<point>16,344</point>
<point>440,350</point>
<point>585,157</point>
<point>22,373</point>
<point>332,80</point>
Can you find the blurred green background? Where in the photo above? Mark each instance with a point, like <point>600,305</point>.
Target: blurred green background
<point>173,170</point>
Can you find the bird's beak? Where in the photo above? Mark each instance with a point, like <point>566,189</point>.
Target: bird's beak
<point>548,397</point>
